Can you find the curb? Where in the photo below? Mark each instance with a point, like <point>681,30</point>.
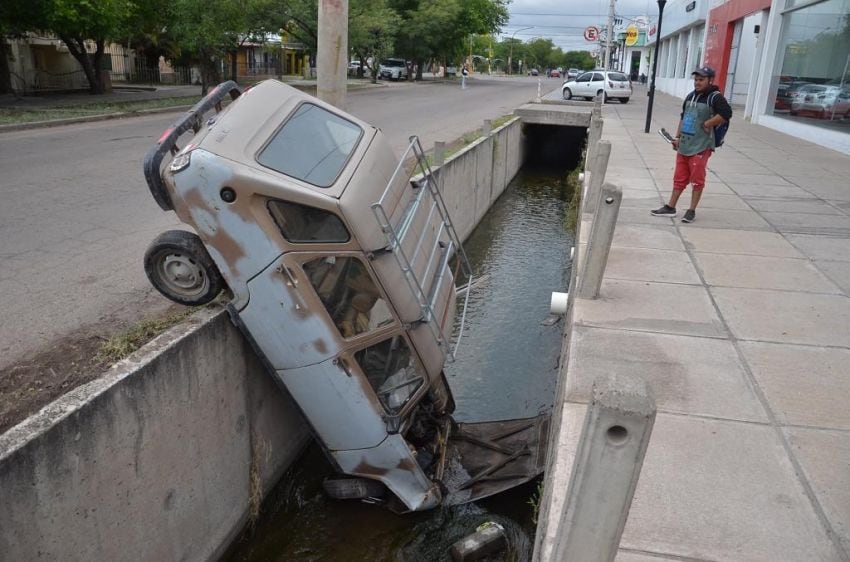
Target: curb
<point>140,113</point>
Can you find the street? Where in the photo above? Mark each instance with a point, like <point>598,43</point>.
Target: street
<point>77,215</point>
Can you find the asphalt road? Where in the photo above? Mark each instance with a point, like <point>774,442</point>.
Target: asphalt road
<point>76,215</point>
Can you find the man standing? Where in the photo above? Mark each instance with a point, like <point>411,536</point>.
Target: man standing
<point>702,110</point>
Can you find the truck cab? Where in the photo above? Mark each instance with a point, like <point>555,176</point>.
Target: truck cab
<point>342,272</point>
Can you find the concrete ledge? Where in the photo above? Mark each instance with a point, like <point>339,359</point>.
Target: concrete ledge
<point>565,115</point>
<point>154,460</point>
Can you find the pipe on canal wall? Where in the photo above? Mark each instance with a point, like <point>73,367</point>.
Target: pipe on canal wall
<point>167,454</point>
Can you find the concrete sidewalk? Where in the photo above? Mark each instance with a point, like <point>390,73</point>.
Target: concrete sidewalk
<point>740,322</point>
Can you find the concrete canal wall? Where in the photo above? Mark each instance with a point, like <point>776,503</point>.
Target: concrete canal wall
<point>166,455</point>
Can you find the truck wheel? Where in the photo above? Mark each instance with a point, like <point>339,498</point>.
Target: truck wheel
<point>353,488</point>
<point>179,266</point>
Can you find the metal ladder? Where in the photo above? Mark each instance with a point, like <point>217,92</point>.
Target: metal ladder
<point>445,244</point>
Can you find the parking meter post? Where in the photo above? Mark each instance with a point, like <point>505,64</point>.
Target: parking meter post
<point>607,466</point>
<point>332,52</point>
<point>599,242</point>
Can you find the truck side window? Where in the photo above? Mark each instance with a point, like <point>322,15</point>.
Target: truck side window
<point>304,225</point>
<point>350,296</point>
<point>313,145</point>
<point>392,372</point>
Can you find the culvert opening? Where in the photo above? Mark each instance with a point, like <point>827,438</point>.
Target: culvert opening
<point>553,148</point>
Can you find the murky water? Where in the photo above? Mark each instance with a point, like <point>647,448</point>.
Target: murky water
<point>506,368</point>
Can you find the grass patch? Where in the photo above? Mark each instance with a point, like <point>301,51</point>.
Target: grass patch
<point>15,115</point>
<point>534,501</point>
<point>123,344</point>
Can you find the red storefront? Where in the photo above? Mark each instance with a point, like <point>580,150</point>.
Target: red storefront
<point>719,31</point>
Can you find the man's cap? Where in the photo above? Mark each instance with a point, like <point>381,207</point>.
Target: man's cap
<point>706,71</point>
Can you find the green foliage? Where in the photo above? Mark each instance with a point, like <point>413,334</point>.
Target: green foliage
<point>579,59</point>
<point>372,28</point>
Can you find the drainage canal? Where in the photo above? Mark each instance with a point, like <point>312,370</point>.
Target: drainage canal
<point>506,368</point>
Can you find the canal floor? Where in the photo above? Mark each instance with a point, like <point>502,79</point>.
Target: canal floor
<point>506,367</point>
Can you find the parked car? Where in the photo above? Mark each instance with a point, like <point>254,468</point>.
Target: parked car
<point>393,69</point>
<point>822,101</point>
<point>554,73</point>
<point>572,73</point>
<point>451,70</point>
<point>342,273</point>
<point>354,68</point>
<point>533,72</point>
<point>787,92</point>
<point>611,85</point>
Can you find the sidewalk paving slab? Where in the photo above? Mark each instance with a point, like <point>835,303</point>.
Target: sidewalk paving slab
<point>748,359</point>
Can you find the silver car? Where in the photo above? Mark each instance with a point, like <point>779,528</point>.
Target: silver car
<point>608,84</point>
<point>342,273</point>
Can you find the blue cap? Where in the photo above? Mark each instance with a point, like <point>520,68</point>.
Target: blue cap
<point>706,71</point>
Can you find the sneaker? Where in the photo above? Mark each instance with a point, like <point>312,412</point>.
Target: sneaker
<point>664,211</point>
<point>690,214</point>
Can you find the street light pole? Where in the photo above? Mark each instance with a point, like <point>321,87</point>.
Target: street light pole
<point>661,4</point>
<point>511,55</point>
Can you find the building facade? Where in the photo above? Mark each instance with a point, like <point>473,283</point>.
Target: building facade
<point>784,64</point>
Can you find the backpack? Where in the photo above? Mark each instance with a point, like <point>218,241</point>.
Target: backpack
<point>720,130</point>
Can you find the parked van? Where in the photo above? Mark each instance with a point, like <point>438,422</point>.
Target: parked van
<point>343,273</point>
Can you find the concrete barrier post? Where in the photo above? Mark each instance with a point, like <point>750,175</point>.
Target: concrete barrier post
<point>598,167</point>
<point>439,155</point>
<point>599,242</point>
<point>594,134</point>
<point>605,473</point>
<point>487,128</point>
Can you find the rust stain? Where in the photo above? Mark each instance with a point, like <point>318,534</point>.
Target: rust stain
<point>231,250</point>
<point>320,346</point>
<point>366,469</point>
<point>407,464</point>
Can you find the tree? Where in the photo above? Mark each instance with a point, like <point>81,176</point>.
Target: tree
<point>372,27</point>
<point>579,59</point>
<point>78,23</point>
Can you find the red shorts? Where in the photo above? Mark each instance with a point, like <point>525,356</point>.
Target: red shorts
<point>691,170</point>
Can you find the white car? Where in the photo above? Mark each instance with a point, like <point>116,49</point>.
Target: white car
<point>393,69</point>
<point>612,85</point>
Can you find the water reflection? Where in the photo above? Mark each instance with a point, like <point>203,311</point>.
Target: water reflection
<point>506,368</point>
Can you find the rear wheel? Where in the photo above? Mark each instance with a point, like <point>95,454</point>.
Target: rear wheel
<point>179,266</point>
<point>568,95</point>
<point>353,488</point>
<point>624,100</point>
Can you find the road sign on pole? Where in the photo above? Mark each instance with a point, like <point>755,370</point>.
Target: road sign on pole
<point>591,33</point>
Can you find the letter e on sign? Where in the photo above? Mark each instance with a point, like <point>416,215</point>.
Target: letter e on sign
<point>591,33</point>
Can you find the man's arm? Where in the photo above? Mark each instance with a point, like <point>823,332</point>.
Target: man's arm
<point>722,113</point>
<point>675,141</point>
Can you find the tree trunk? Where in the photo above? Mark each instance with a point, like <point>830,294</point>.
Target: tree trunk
<point>5,72</point>
<point>77,48</point>
<point>419,64</point>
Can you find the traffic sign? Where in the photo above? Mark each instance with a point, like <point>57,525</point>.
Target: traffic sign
<point>591,33</point>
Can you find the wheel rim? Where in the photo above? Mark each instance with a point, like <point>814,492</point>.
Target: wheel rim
<point>182,275</point>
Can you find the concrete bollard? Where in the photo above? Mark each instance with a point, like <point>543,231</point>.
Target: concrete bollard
<point>487,128</point>
<point>487,540</point>
<point>594,135</point>
<point>598,168</point>
<point>439,155</point>
<point>599,242</point>
<point>605,473</point>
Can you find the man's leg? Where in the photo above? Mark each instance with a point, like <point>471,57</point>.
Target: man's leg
<point>697,163</point>
<point>681,177</point>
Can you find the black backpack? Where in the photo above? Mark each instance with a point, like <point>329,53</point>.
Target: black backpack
<point>720,130</point>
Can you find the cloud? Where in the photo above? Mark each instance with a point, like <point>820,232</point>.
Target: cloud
<point>564,22</point>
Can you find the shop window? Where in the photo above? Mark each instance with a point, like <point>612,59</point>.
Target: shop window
<point>349,294</point>
<point>392,372</point>
<point>313,145</point>
<point>301,224</point>
<point>812,79</point>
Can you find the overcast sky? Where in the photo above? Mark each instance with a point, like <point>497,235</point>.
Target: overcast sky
<point>563,21</point>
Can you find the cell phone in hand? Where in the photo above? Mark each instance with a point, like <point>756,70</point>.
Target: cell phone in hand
<point>665,135</point>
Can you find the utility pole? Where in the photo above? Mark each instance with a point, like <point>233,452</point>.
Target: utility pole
<point>332,52</point>
<point>608,34</point>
